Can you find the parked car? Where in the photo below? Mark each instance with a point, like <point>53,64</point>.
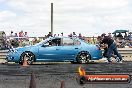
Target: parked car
<point>56,49</point>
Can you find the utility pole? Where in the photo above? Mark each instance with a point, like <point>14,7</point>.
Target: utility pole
<point>52,18</point>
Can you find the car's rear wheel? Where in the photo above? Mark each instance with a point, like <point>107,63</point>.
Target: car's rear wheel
<point>29,56</point>
<point>83,57</point>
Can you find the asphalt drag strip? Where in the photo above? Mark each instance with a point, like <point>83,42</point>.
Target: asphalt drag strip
<point>56,75</point>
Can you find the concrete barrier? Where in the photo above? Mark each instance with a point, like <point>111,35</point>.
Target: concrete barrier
<point>125,52</point>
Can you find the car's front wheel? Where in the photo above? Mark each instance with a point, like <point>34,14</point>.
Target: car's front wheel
<point>29,56</point>
<point>83,57</point>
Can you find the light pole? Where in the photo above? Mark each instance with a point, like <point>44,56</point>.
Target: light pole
<point>52,18</point>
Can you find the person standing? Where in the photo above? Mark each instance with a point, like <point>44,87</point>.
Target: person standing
<point>16,37</point>
<point>111,49</point>
<point>74,34</point>
<point>26,36</point>
<point>49,35</point>
<point>4,42</point>
<point>80,36</point>
<point>11,35</point>
<point>62,34</point>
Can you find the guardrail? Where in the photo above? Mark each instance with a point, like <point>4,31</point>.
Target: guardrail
<point>3,54</point>
<point>125,52</point>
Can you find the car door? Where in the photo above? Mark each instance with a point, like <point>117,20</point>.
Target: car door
<point>50,50</point>
<point>69,49</point>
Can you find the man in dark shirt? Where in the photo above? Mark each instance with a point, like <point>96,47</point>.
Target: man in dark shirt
<point>111,48</point>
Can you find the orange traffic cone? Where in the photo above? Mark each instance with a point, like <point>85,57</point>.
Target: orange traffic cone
<point>32,81</point>
<point>25,63</point>
<point>62,84</point>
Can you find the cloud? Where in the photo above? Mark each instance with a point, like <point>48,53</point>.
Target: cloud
<point>2,1</point>
<point>6,15</point>
<point>88,17</point>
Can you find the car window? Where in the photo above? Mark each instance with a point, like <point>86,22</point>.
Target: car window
<point>67,41</point>
<point>53,42</point>
<point>77,42</point>
<point>56,42</point>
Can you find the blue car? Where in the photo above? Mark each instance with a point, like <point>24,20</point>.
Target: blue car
<point>56,49</point>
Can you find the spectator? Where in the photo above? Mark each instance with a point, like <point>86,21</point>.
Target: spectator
<point>130,44</point>
<point>4,40</point>
<point>35,41</point>
<point>54,35</point>
<point>11,35</point>
<point>80,36</point>
<point>62,34</point>
<point>103,35</point>
<point>49,35</point>
<point>88,41</point>
<point>120,43</point>
<point>14,43</point>
<point>26,36</point>
<point>9,46</point>
<point>130,36</point>
<point>4,36</point>
<point>109,35</point>
<point>125,36</point>
<point>70,35</point>
<point>21,34</point>
<point>117,41</point>
<point>74,34</point>
<point>120,36</point>
<point>16,37</point>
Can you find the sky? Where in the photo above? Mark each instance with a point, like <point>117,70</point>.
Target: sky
<point>88,17</point>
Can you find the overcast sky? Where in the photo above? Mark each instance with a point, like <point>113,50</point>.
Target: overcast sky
<point>89,17</point>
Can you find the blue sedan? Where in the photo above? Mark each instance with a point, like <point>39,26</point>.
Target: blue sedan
<point>56,49</point>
